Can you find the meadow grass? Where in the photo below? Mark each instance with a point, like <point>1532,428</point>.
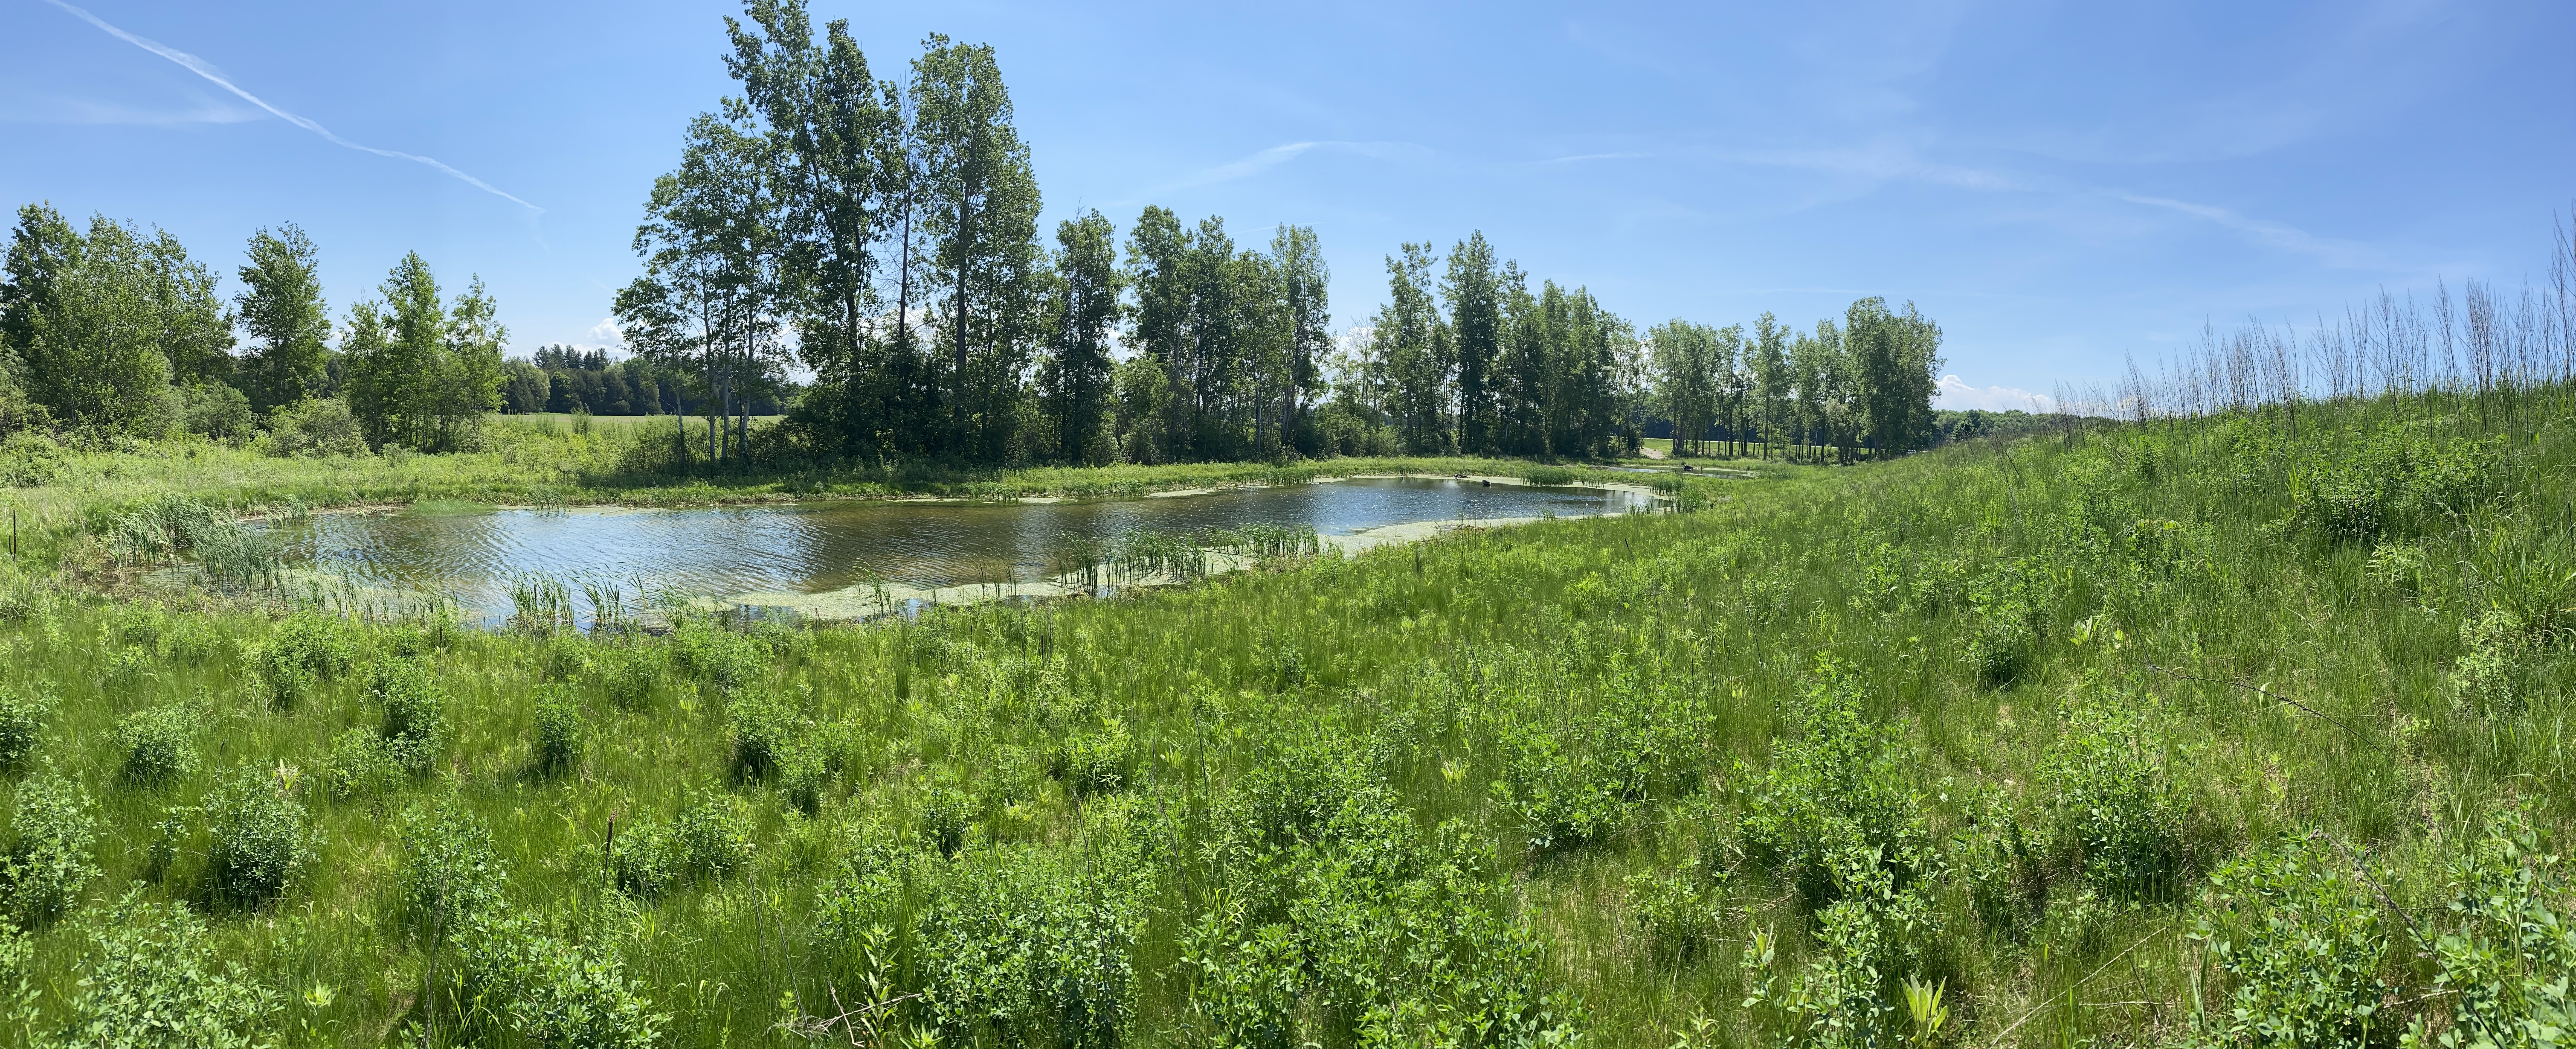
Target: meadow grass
<point>2247,730</point>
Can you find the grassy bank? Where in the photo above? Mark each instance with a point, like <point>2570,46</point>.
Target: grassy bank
<point>2248,731</point>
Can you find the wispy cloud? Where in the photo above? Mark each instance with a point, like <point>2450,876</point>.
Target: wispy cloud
<point>1887,165</point>
<point>1281,154</point>
<point>200,67</point>
<point>2340,253</point>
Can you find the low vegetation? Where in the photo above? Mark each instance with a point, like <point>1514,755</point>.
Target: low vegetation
<point>2245,730</point>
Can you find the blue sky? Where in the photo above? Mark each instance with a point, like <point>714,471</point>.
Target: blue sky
<point>2057,184</point>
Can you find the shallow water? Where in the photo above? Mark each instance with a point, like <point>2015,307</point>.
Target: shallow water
<point>819,547</point>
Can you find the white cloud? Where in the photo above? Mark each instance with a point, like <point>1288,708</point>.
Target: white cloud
<point>1956,395</point>
<point>607,333</point>
<point>2339,253</point>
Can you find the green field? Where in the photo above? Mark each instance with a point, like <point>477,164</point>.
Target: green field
<point>2244,731</point>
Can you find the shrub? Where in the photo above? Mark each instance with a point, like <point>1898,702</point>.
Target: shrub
<point>551,993</point>
<point>1672,912</point>
<point>159,743</point>
<point>942,818</point>
<point>2297,938</point>
<point>558,727</point>
<point>49,859</point>
<point>1021,942</point>
<point>359,765</point>
<point>217,412</point>
<point>764,727</point>
<point>1836,788</point>
<point>414,729</point>
<point>316,427</point>
<point>450,877</point>
<point>2117,804</point>
<point>628,673</point>
<point>1099,762</point>
<point>258,840</point>
<point>27,460</point>
<point>2507,958</point>
<point>709,837</point>
<point>305,650</point>
<point>716,656</point>
<point>2484,680</point>
<point>150,978</point>
<point>23,715</point>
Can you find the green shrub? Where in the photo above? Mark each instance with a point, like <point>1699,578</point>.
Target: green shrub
<point>304,651</point>
<point>54,832</point>
<point>628,673</point>
<point>709,838</point>
<point>719,657</point>
<point>942,817</point>
<point>159,744</point>
<point>150,979</point>
<point>558,726</point>
<point>1099,762</point>
<point>1835,788</point>
<point>1022,942</point>
<point>2117,803</point>
<point>1671,912</point>
<point>23,714</point>
<point>547,992</point>
<point>27,459</point>
<point>317,427</point>
<point>763,727</point>
<point>2298,943</point>
<point>257,837</point>
<point>2507,958</point>
<point>450,876</point>
<point>414,729</point>
<point>2486,678</point>
<point>359,765</point>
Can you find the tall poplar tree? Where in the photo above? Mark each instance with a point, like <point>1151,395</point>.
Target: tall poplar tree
<point>982,202</point>
<point>1308,314</point>
<point>1474,297</point>
<point>281,306</point>
<point>1082,312</point>
<point>1410,354</point>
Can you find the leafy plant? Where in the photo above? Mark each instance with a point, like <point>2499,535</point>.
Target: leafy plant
<point>414,729</point>
<point>54,832</point>
<point>151,978</point>
<point>23,714</point>
<point>2117,803</point>
<point>258,837</point>
<point>2298,942</point>
<point>159,744</point>
<point>450,876</point>
<point>558,727</point>
<point>2510,954</point>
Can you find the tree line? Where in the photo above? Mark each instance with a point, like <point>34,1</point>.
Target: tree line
<point>883,234</point>
<point>117,331</point>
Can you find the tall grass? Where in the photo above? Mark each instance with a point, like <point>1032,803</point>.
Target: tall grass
<point>2228,724</point>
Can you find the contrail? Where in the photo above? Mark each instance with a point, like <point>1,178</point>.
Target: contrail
<point>198,66</point>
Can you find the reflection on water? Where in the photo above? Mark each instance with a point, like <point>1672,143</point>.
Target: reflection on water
<point>828,546</point>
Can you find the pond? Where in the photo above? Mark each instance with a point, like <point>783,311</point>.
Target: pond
<point>845,559</point>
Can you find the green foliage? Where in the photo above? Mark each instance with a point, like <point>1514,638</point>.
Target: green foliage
<point>2486,679</point>
<point>2117,802</point>
<point>53,836</point>
<point>1673,913</point>
<point>451,878</point>
<point>1835,791</point>
<point>259,837</point>
<point>2393,481</point>
<point>415,729</point>
<point>315,427</point>
<point>159,743</point>
<point>23,714</point>
<point>150,979</point>
<point>2510,954</point>
<point>304,650</point>
<point>765,727</point>
<point>709,837</point>
<point>360,765</point>
<point>1099,762</point>
<point>628,673</point>
<point>545,991</point>
<point>2298,944</point>
<point>558,727</point>
<point>719,657</point>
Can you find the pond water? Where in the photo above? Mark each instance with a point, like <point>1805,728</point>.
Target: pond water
<point>770,555</point>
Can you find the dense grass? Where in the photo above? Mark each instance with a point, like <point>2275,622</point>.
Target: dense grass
<point>2144,735</point>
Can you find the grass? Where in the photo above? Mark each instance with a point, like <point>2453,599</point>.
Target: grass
<point>2015,734</point>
